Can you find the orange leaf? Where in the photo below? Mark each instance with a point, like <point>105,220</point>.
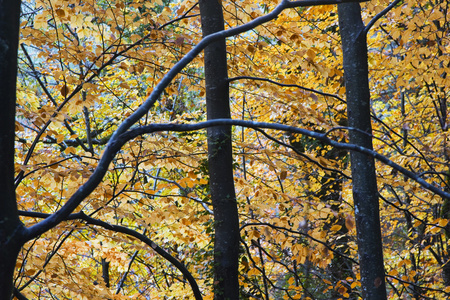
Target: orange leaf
<point>60,12</point>
<point>335,227</point>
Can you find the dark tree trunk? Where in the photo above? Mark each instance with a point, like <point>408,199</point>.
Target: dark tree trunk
<point>340,267</point>
<point>365,192</point>
<point>11,229</point>
<point>226,221</point>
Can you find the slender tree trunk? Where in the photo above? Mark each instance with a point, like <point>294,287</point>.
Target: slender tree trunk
<point>340,268</point>
<point>226,220</point>
<point>11,229</point>
<point>365,192</point>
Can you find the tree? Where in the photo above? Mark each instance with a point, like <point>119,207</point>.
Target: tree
<point>365,189</point>
<point>220,160</point>
<point>111,167</point>
<point>11,233</point>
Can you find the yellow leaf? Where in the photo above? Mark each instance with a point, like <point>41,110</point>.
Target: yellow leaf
<point>404,262</point>
<point>253,271</point>
<point>124,85</point>
<point>59,138</point>
<point>40,22</point>
<point>443,222</point>
<point>70,150</point>
<point>30,272</point>
<point>378,8</point>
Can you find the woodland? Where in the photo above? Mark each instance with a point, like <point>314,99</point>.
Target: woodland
<point>231,149</point>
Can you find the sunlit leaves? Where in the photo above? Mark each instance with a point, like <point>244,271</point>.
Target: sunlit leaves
<point>85,66</point>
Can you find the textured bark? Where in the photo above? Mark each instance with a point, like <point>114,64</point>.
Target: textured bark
<point>220,161</point>
<point>11,229</point>
<point>365,192</point>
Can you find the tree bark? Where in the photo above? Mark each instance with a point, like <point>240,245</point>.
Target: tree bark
<point>11,229</point>
<point>220,160</point>
<point>365,192</point>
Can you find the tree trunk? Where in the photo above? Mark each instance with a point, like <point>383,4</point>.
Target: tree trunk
<point>220,160</point>
<point>11,229</point>
<point>365,192</point>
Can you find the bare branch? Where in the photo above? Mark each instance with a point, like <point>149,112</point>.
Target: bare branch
<point>287,85</point>
<point>258,125</point>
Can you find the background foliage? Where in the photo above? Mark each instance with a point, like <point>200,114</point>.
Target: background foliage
<point>87,65</point>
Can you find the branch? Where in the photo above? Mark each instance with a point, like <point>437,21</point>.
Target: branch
<point>303,3</point>
<point>19,295</point>
<point>341,100</point>
<point>122,229</point>
<point>306,157</point>
<point>378,16</point>
<point>300,233</point>
<point>258,125</point>
<point>75,143</point>
<point>287,85</point>
<point>124,277</point>
<point>185,190</point>
<point>416,285</point>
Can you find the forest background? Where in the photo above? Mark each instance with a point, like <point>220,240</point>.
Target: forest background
<point>326,186</point>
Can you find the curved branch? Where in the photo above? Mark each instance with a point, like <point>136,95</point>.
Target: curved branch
<point>19,295</point>
<point>306,157</point>
<point>287,85</point>
<point>378,16</point>
<point>258,125</point>
<point>122,229</point>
